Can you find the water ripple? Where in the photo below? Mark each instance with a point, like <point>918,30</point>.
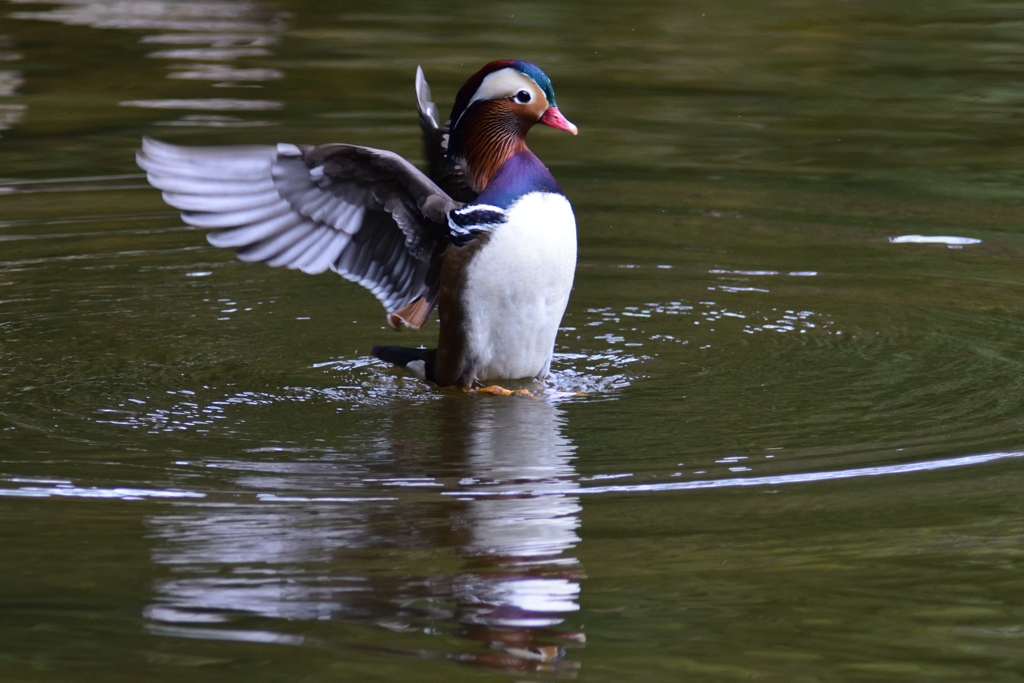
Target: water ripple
<point>70,491</point>
<point>801,478</point>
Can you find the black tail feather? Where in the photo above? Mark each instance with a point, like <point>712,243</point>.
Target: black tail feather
<point>402,356</point>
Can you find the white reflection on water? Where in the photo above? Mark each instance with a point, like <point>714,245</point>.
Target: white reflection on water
<point>266,553</point>
<point>167,15</point>
<point>68,490</point>
<point>220,72</point>
<point>952,242</point>
<point>216,32</point>
<point>303,552</point>
<point>625,333</point>
<point>212,104</point>
<point>10,81</point>
<point>796,478</point>
<point>210,121</point>
<point>10,113</point>
<point>522,541</point>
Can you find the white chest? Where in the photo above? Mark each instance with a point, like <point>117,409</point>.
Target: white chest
<point>517,288</point>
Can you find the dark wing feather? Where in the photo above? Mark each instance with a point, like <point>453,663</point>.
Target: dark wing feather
<point>451,176</point>
<point>367,214</point>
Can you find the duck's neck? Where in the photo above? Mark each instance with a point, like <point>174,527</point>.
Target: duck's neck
<point>485,138</point>
<point>521,175</point>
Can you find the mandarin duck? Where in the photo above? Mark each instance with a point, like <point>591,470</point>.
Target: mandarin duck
<point>489,239</point>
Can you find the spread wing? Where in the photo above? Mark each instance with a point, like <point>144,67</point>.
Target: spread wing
<point>451,176</point>
<point>367,214</point>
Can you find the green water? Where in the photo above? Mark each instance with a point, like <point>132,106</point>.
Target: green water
<point>797,452</point>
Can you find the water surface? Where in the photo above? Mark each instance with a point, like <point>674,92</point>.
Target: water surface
<point>783,439</point>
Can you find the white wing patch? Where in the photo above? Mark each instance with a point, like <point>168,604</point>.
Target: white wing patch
<point>474,219</point>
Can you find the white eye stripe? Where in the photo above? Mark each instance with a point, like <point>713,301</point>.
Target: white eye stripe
<point>505,83</point>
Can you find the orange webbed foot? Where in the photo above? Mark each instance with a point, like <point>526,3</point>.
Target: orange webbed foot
<point>495,390</point>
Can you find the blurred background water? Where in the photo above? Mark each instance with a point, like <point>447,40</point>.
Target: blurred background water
<point>783,439</point>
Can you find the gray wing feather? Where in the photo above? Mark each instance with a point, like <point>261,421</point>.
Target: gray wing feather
<point>219,204</point>
<point>435,137</point>
<point>252,233</point>
<point>328,253</point>
<point>267,249</point>
<point>240,163</point>
<point>367,214</point>
<point>293,255</point>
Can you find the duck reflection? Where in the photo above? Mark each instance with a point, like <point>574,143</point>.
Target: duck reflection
<point>519,581</point>
<point>489,559</point>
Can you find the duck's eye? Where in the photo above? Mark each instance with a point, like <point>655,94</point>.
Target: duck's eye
<point>522,97</point>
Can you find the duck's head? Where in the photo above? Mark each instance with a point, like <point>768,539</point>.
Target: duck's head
<point>493,112</point>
